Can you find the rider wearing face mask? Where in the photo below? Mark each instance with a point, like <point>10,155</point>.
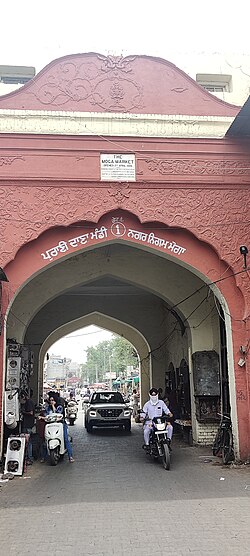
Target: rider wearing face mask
<point>154,408</point>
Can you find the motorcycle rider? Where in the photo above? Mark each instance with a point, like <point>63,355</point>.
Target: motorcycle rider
<point>154,408</point>
<point>71,397</point>
<point>54,408</point>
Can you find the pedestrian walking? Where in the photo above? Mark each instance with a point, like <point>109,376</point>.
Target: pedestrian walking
<point>135,402</point>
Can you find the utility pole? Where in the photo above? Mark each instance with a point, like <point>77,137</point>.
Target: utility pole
<point>104,362</point>
<point>110,371</point>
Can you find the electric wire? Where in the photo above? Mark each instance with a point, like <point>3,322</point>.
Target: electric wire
<point>177,304</point>
<point>163,342</point>
<point>203,320</point>
<point>219,310</point>
<point>140,152</point>
<point>151,352</point>
<point>210,284</point>
<point>83,334</point>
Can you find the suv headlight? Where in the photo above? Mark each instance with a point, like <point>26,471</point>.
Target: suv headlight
<point>126,413</point>
<point>92,413</point>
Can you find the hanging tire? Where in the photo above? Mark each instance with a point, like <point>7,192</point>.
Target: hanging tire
<point>217,443</point>
<point>54,456</point>
<point>227,449</point>
<point>166,457</point>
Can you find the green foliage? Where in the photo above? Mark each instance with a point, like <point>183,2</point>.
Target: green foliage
<point>115,355</point>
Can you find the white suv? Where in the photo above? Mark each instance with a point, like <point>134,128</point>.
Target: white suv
<point>107,409</point>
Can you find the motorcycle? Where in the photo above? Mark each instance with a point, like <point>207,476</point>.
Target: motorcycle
<point>71,412</point>
<point>159,443</point>
<point>54,437</point>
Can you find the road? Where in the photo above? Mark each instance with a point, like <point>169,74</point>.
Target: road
<point>115,501</point>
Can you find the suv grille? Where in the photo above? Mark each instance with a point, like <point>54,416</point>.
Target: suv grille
<point>110,412</point>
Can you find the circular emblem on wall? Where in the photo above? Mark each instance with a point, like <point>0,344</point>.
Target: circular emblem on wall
<point>118,229</point>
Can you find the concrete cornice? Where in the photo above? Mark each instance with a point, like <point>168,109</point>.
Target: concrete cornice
<point>113,124</point>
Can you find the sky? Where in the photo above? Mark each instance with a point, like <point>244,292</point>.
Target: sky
<point>75,344</point>
<point>34,34</point>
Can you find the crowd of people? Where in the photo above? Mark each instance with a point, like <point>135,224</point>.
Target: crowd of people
<point>54,403</point>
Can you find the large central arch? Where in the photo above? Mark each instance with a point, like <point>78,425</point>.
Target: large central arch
<point>113,325</point>
<point>175,290</point>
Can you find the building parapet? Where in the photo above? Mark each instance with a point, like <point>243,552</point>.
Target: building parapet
<point>114,124</point>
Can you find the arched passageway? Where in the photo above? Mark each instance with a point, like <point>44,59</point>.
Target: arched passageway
<point>113,325</point>
<point>160,299</point>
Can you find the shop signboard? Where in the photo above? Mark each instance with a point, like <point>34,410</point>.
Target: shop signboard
<point>117,167</point>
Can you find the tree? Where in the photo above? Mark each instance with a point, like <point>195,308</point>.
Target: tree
<point>116,354</point>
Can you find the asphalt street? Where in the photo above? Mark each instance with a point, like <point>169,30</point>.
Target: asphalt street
<point>114,500</point>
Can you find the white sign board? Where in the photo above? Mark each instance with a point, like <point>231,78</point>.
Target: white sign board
<point>110,375</point>
<point>118,167</point>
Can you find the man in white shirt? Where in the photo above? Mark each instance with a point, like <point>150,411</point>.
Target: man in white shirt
<point>154,408</point>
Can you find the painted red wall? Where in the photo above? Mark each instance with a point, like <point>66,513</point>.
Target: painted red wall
<point>59,242</point>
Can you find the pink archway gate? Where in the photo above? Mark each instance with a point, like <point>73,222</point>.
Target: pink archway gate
<point>188,198</point>
<point>176,244</point>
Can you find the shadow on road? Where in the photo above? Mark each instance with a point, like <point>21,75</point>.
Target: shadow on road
<point>110,466</point>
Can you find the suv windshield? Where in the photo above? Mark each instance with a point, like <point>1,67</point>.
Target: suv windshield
<point>107,397</point>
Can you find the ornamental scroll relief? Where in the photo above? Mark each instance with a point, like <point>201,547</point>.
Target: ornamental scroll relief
<point>120,191</point>
<point>196,167</point>
<point>108,83</point>
<point>8,160</point>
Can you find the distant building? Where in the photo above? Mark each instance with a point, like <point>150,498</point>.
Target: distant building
<point>57,367</point>
<point>13,77</point>
<point>74,368</point>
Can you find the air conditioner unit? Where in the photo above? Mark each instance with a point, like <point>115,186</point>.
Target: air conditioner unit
<point>14,350</point>
<point>13,372</point>
<point>11,404</point>
<point>15,455</point>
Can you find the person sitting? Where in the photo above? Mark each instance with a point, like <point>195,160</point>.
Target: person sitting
<point>116,398</point>
<point>154,408</point>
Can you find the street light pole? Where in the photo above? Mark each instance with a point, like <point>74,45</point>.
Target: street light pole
<point>110,371</point>
<point>104,363</point>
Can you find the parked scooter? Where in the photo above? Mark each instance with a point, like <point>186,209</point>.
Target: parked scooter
<point>71,412</point>
<point>54,437</point>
